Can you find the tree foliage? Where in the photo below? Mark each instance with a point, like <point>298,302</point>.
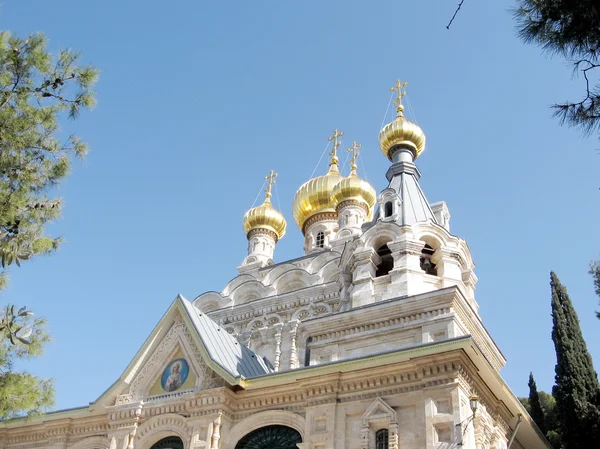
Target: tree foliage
<point>548,416</point>
<point>536,410</point>
<point>37,91</point>
<point>22,392</point>
<point>595,272</point>
<point>576,388</point>
<point>571,29</point>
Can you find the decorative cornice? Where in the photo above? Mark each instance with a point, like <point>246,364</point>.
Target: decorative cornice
<point>321,216</point>
<point>381,325</point>
<point>353,203</point>
<point>263,231</point>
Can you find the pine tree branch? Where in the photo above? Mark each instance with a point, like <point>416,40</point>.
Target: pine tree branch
<point>455,13</point>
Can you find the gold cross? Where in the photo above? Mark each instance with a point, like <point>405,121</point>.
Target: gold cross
<point>336,144</point>
<point>271,179</point>
<point>355,153</point>
<point>398,101</point>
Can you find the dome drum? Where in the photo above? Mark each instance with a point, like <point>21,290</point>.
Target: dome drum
<point>356,203</point>
<point>321,216</point>
<point>263,230</point>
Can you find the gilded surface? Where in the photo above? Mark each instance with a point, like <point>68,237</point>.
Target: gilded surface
<point>314,196</point>
<point>265,216</point>
<point>353,188</point>
<point>401,131</point>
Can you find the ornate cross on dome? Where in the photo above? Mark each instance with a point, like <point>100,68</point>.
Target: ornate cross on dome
<point>336,144</point>
<point>271,179</point>
<point>398,101</point>
<point>354,150</point>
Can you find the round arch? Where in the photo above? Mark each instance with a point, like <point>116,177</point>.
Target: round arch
<point>270,437</point>
<point>159,428</point>
<point>263,419</point>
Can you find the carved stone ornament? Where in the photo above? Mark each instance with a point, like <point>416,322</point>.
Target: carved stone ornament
<point>177,337</point>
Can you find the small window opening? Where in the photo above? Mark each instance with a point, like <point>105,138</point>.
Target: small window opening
<point>426,264</point>
<point>320,239</point>
<point>387,261</point>
<point>387,209</point>
<point>307,352</point>
<point>382,440</point>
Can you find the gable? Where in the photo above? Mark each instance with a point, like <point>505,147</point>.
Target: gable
<point>175,365</point>
<point>187,351</point>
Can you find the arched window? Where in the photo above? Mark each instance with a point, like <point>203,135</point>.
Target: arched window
<point>271,437</point>
<point>169,443</point>
<point>381,439</point>
<point>426,264</point>
<point>387,209</point>
<point>320,239</point>
<point>387,261</point>
<point>307,352</point>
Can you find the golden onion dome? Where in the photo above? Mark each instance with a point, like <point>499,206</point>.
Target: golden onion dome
<point>314,196</point>
<point>401,131</point>
<point>353,188</point>
<point>265,216</point>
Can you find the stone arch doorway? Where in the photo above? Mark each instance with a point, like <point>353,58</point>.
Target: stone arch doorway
<point>271,437</point>
<point>168,443</point>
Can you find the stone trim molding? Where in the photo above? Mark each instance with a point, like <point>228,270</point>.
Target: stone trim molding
<point>96,442</point>
<point>156,428</point>
<point>262,419</point>
<point>177,336</point>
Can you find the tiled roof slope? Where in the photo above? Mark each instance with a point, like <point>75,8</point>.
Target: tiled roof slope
<point>223,348</point>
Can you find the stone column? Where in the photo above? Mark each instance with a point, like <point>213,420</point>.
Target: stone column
<point>364,267</point>
<point>407,274</point>
<point>216,436</point>
<point>293,343</point>
<point>364,437</point>
<point>278,327</point>
<point>393,436</point>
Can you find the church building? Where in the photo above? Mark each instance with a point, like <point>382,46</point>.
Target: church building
<point>370,339</point>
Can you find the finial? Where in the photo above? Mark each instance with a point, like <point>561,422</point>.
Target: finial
<point>271,179</point>
<point>336,144</point>
<point>398,102</point>
<point>354,150</point>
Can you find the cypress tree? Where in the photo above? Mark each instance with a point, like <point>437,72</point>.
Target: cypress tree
<point>576,382</point>
<point>537,413</point>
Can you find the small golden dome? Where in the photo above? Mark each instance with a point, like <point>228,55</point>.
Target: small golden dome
<point>314,196</point>
<point>353,188</point>
<point>265,216</point>
<point>401,131</point>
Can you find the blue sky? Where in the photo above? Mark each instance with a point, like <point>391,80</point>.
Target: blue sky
<point>198,100</point>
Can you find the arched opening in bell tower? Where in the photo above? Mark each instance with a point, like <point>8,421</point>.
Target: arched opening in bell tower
<point>387,261</point>
<point>425,261</point>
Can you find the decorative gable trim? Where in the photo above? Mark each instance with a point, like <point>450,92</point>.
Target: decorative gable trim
<point>377,411</point>
<point>379,415</point>
<point>177,336</point>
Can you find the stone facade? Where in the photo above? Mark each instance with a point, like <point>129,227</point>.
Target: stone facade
<point>371,340</point>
